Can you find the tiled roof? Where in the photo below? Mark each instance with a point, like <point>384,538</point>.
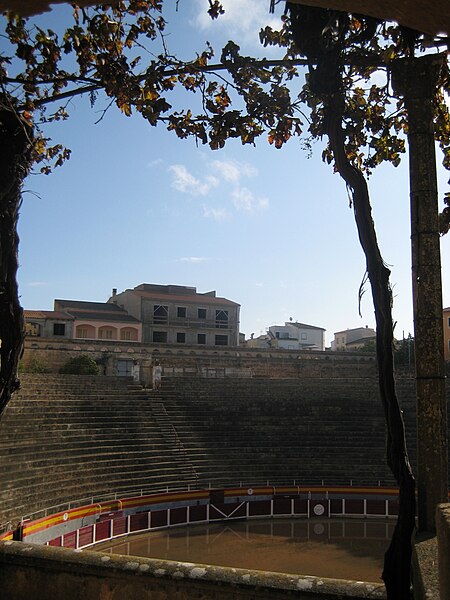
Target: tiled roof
<point>89,306</point>
<point>190,299</point>
<point>99,315</point>
<point>355,329</point>
<point>96,311</point>
<point>47,314</point>
<point>305,326</point>
<point>362,340</point>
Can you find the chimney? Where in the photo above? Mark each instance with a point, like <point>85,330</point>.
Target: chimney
<point>114,292</point>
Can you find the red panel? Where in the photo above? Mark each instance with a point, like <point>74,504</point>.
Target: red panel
<point>69,539</point>
<point>102,531</point>
<point>393,507</point>
<point>259,508</point>
<point>221,507</point>
<point>139,521</point>
<point>300,506</point>
<point>336,506</point>
<point>158,518</point>
<point>354,507</point>
<point>197,513</point>
<point>119,526</point>
<point>282,506</point>
<point>376,507</point>
<point>56,542</point>
<point>178,515</point>
<point>234,510</point>
<point>318,508</point>
<point>86,535</point>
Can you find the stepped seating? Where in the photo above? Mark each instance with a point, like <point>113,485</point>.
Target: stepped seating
<point>308,431</point>
<point>77,437</point>
<point>64,438</point>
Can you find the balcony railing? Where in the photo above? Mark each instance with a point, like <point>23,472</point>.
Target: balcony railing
<point>195,323</point>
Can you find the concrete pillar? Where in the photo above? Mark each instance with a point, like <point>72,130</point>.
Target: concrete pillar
<point>416,80</point>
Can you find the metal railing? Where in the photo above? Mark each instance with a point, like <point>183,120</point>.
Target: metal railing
<point>220,484</point>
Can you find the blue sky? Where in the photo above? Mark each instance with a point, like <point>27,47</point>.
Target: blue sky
<point>270,229</point>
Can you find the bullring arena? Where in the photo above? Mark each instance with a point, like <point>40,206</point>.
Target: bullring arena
<point>89,459</point>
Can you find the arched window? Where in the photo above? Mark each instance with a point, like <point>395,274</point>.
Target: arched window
<point>129,333</point>
<point>107,333</point>
<point>85,332</point>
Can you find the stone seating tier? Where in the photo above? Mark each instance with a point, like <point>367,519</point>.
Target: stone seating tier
<point>64,438</point>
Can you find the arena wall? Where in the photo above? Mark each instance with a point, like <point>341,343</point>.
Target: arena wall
<point>63,437</point>
<point>70,439</point>
<point>199,361</point>
<point>42,573</point>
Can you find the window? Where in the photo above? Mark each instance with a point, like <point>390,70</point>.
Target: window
<point>181,338</point>
<point>107,333</point>
<point>221,319</point>
<point>85,331</point>
<point>449,321</point>
<point>124,368</point>
<point>32,329</point>
<point>181,312</point>
<point>304,336</point>
<point>282,335</point>
<point>201,313</point>
<point>160,314</point>
<point>221,340</point>
<point>59,329</point>
<point>160,337</point>
<point>129,333</point>
<point>201,338</point>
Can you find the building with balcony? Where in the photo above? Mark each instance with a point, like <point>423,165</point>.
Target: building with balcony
<point>177,314</point>
<point>75,319</point>
<point>100,321</point>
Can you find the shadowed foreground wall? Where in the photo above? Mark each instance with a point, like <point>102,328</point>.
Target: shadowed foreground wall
<point>443,537</point>
<point>44,573</point>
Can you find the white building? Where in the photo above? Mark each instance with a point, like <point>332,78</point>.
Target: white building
<point>352,339</point>
<point>296,336</point>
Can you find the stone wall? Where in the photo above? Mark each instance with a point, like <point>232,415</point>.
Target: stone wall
<point>203,361</point>
<point>443,539</point>
<point>40,573</point>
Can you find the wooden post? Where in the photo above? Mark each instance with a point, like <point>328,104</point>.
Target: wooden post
<point>416,80</point>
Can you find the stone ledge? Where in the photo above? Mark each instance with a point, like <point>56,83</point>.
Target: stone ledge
<point>425,567</point>
<point>30,570</point>
<point>443,543</point>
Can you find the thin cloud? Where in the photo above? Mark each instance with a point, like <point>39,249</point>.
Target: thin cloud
<point>155,163</point>
<point>241,17</point>
<point>184,181</point>
<point>216,214</point>
<point>231,170</point>
<point>194,259</point>
<point>244,199</point>
<point>37,283</point>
